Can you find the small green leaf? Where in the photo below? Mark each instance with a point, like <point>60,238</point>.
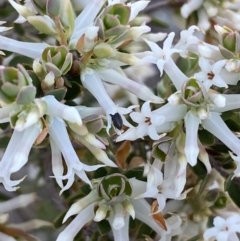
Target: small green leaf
<point>73,91</point>
<point>200,170</point>
<point>226,53</point>
<point>40,5</point>
<point>10,89</point>
<point>202,186</point>
<point>4,141</point>
<point>26,95</point>
<point>53,7</point>
<point>51,67</point>
<point>206,138</point>
<point>233,191</point>
<point>59,94</point>
<point>44,24</point>
<point>103,227</point>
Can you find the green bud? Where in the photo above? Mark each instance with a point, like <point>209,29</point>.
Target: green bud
<point>229,39</point>
<point>53,7</point>
<point>103,50</point>
<point>221,202</point>
<point>44,24</point>
<point>121,11</point>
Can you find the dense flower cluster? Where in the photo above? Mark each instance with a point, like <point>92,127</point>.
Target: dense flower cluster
<point>172,135</point>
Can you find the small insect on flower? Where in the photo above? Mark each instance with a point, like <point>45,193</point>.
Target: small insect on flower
<point>117,121</point>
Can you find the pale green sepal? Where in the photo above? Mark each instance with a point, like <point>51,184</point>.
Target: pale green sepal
<point>10,89</point>
<point>53,7</point>
<point>26,95</point>
<point>103,50</point>
<point>67,16</point>
<point>22,10</point>
<point>54,69</point>
<point>25,74</point>
<point>67,64</point>
<point>44,24</point>
<point>122,12</point>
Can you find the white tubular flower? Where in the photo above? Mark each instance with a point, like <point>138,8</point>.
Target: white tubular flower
<point>160,56</point>
<point>136,8</point>
<point>171,112</point>
<point>175,74</point>
<point>29,136</point>
<point>84,20</point>
<point>141,91</point>
<point>81,204</point>
<point>218,128</point>
<point>190,6</point>
<point>89,39</point>
<point>210,74</point>
<point>232,101</point>
<point>57,163</point>
<point>122,233</point>
<point>191,145</point>
<point>203,20</point>
<point>6,111</point>
<point>58,132</point>
<point>97,152</point>
<point>55,108</point>
<point>188,42</point>
<point>2,29</point>
<point>147,121</point>
<point>93,83</point>
<point>16,154</point>
<point>224,229</point>
<point>31,50</point>
<point>143,211</point>
<point>78,222</point>
<point>130,134</point>
<point>118,216</point>
<point>173,225</point>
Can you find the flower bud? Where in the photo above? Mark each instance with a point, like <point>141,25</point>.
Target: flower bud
<point>127,205</point>
<point>202,113</point>
<point>233,65</point>
<point>49,81</point>
<point>103,50</point>
<point>228,38</point>
<point>175,99</point>
<point>217,99</point>
<point>101,213</point>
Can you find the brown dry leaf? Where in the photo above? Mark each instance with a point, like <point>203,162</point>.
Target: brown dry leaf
<point>43,133</point>
<point>158,217</point>
<point>122,154</point>
<point>80,43</point>
<point>136,161</point>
